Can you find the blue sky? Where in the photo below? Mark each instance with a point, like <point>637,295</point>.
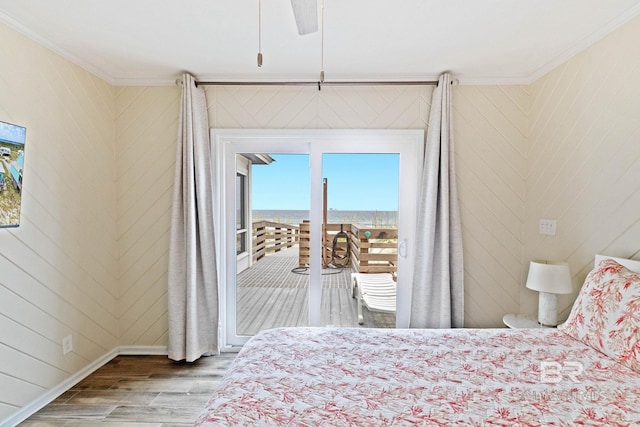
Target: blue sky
<point>355,182</point>
<point>12,133</point>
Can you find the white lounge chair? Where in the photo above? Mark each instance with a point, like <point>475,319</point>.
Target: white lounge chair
<point>377,291</point>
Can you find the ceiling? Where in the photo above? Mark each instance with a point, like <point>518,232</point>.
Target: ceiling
<point>148,42</point>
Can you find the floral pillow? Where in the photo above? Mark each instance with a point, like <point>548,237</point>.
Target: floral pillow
<point>606,314</point>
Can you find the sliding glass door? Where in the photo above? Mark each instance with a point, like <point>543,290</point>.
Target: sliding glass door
<point>293,210</point>
<point>272,288</point>
<point>359,233</point>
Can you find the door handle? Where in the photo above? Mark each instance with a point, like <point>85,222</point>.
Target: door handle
<point>402,249</point>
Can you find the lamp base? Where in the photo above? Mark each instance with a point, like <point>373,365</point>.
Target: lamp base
<point>548,309</point>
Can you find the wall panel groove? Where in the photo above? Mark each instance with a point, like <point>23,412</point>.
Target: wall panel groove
<point>59,268</point>
<point>584,165</point>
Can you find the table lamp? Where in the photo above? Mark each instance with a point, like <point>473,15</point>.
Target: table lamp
<point>549,278</point>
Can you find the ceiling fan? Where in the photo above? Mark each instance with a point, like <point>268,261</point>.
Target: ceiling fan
<point>306,15</point>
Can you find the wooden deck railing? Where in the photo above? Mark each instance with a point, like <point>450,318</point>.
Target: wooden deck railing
<point>269,237</point>
<point>377,253</point>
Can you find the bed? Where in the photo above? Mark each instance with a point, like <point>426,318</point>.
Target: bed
<point>586,372</point>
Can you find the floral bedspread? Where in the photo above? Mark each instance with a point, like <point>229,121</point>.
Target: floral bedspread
<point>463,377</point>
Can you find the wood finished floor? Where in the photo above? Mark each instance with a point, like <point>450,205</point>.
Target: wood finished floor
<point>137,391</point>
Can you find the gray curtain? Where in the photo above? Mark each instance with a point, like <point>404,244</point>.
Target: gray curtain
<point>193,283</point>
<point>437,297</point>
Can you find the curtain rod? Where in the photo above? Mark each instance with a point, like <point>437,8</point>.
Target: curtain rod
<point>320,84</point>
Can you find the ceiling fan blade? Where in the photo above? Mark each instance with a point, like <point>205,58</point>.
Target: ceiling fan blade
<point>306,14</point>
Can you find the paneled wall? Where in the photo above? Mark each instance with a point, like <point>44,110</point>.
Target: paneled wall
<point>583,165</point>
<point>58,269</point>
<point>490,131</point>
<point>146,132</point>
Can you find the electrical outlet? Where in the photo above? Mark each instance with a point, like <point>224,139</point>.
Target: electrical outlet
<point>67,344</point>
<point>548,227</point>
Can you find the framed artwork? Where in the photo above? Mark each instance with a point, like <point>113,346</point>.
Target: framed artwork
<point>12,138</point>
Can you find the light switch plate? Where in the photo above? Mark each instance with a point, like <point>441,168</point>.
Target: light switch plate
<point>67,344</point>
<point>548,227</point>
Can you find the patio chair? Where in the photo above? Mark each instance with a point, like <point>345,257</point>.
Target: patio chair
<point>377,291</point>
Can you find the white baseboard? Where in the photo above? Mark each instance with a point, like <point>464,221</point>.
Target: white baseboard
<point>52,394</point>
<point>143,350</point>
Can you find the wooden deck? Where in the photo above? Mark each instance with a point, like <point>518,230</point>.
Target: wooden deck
<point>270,294</point>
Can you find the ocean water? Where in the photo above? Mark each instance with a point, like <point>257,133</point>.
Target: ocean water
<point>380,219</point>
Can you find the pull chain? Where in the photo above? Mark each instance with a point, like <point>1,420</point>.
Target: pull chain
<point>259,33</point>
<point>322,46</point>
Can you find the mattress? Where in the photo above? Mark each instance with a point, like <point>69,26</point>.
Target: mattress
<point>389,377</point>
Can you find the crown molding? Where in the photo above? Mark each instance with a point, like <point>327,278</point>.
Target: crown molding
<point>492,81</point>
<point>585,43</point>
<point>18,27</point>
<point>145,81</point>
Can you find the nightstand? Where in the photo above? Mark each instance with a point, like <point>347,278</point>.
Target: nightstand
<point>521,321</point>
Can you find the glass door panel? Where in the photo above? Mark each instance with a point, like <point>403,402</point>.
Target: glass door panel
<point>272,291</point>
<point>359,235</point>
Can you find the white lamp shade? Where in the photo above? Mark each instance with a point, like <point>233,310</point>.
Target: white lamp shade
<point>551,277</point>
